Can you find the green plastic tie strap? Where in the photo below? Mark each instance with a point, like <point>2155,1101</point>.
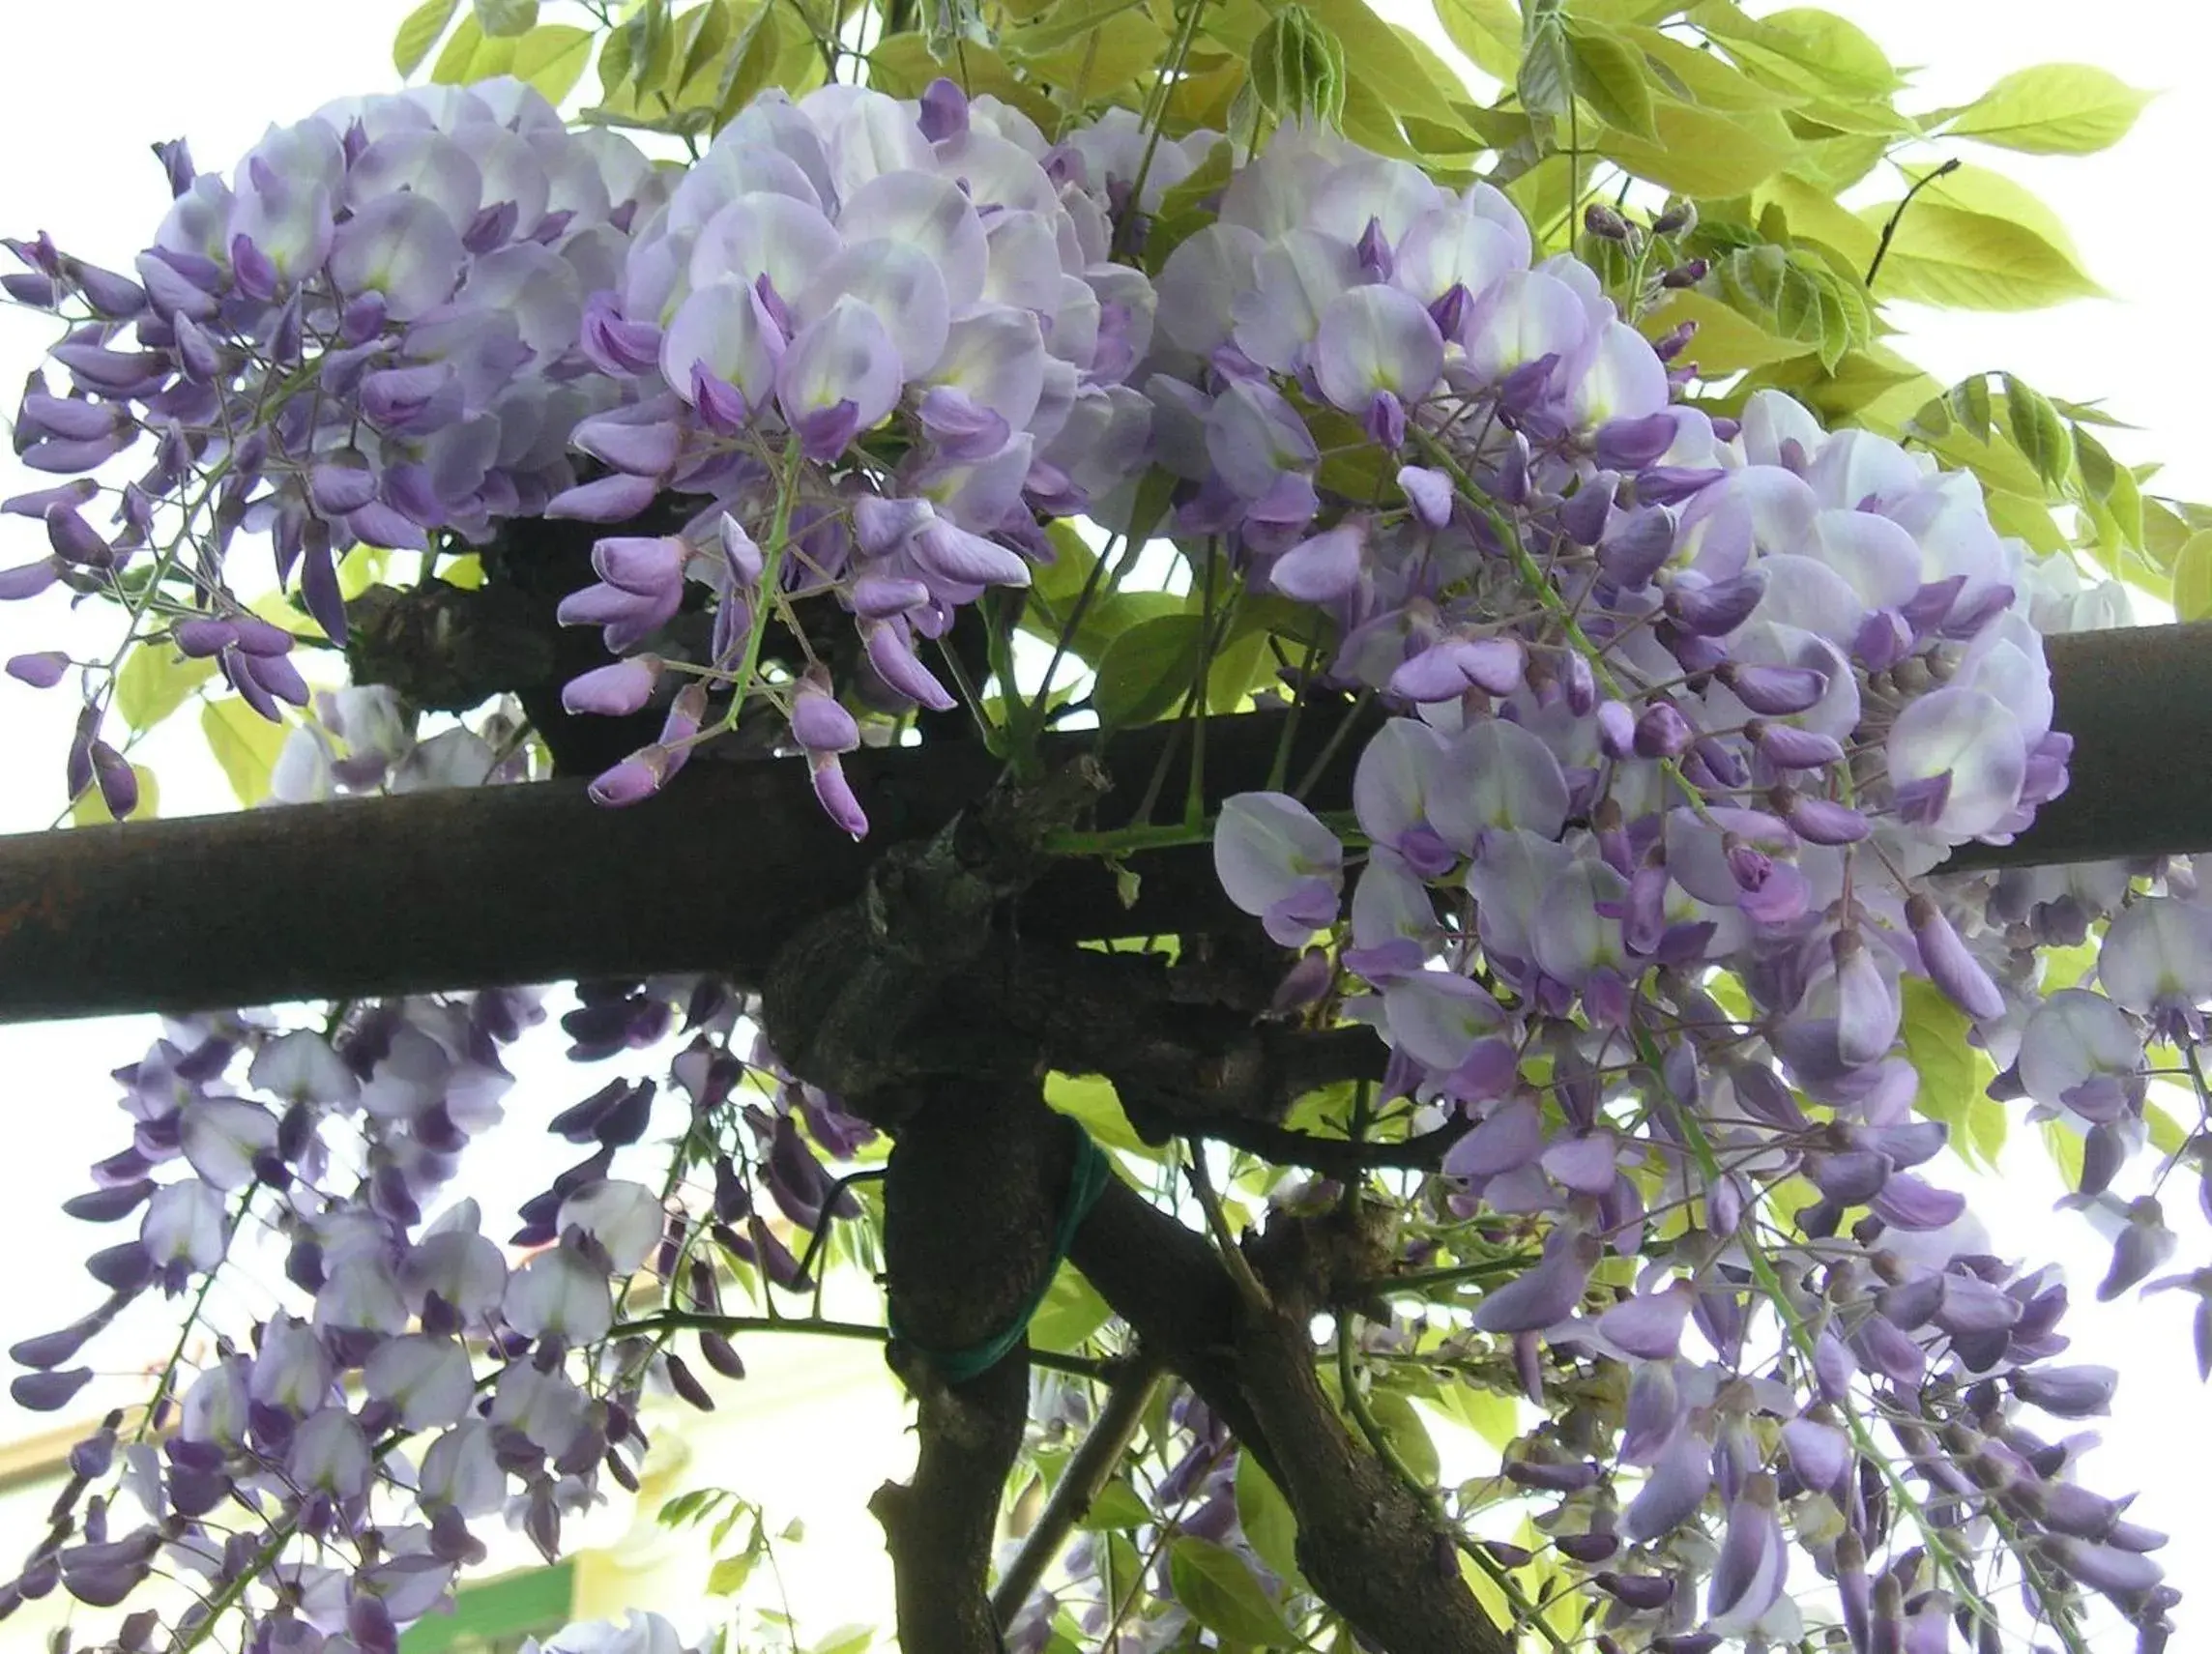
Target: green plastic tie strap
<point>1085,1182</point>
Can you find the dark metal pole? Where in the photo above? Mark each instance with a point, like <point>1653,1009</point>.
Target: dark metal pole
<point>534,883</point>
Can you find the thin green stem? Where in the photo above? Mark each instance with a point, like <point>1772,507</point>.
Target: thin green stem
<point>1524,1611</point>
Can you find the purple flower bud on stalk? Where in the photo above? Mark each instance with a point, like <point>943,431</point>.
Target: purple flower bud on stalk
<point>1662,732</point>
<point>614,690</point>
<point>633,780</point>
<point>836,797</point>
<point>612,498</point>
<point>41,670</point>
<point>818,723</point>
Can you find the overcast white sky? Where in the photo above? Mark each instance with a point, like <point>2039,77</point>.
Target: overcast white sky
<point>86,86</point>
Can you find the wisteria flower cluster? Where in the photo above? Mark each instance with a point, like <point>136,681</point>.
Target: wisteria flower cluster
<point>369,336</point>
<point>1685,712</point>
<point>883,339</point>
<point>405,1355</point>
<point>1681,717</point>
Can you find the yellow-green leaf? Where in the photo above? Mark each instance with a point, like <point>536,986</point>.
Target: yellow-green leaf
<point>1490,1414</point>
<point>1813,48</point>
<point>505,18</point>
<point>91,809</point>
<point>1726,340</point>
<point>1979,241</point>
<point>1070,1313</point>
<point>1062,24</point>
<point>1953,1074</point>
<point>153,683</point>
<point>1609,77</point>
<point>245,744</point>
<point>1702,153</point>
<point>469,56</point>
<point>552,58</point>
<point>1096,1105</point>
<point>1703,76</point>
<point>2193,578</point>
<point>418,32</point>
<point>1380,61</point>
<point>1408,1437</point>
<point>2054,108</point>
<point>1813,214</point>
<point>1487,31</point>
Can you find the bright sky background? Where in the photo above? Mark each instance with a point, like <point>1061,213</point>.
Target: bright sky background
<point>86,86</point>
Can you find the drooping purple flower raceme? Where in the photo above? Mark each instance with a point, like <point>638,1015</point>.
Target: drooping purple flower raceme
<point>368,334</point>
<point>1684,707</point>
<point>913,306</point>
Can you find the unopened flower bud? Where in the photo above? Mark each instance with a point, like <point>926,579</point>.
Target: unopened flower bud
<point>1298,66</point>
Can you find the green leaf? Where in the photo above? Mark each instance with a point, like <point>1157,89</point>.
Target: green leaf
<point>1265,1517</point>
<point>1382,63</point>
<point>153,683</point>
<point>1218,1589</point>
<point>1118,1506</point>
<point>2054,108</point>
<point>1146,672</point>
<point>245,744</point>
<point>1818,49</point>
<point>2193,578</point>
<point>1070,1313</point>
<point>1979,257</point>
<point>1487,31</point>
<point>1059,25</point>
<point>1813,215</point>
<point>1703,77</point>
<point>1726,340</point>
<point>1545,83</point>
<point>418,32</point>
<point>2037,430</point>
<point>1490,1414</point>
<point>1701,153</point>
<point>1408,1437</point>
<point>1609,77</point>
<point>728,1577</point>
<point>552,59</point>
<point>2064,1144</point>
<point>502,19</point>
<point>1969,401</point>
<point>1094,1105</point>
<point>469,56</point>
<point>751,62</point>
<point>1954,1075</point>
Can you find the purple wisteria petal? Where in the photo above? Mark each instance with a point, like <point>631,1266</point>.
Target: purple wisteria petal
<point>1509,1137</point>
<point>720,329</point>
<point>402,248</point>
<point>2157,955</point>
<point>844,365</point>
<point>1754,1563</point>
<point>1546,1295</point>
<point>1650,1325</point>
<point>1269,849</point>
<point>1374,339</point>
<point>1325,568</point>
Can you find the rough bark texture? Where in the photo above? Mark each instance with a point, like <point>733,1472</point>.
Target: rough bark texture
<point>930,1016</point>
